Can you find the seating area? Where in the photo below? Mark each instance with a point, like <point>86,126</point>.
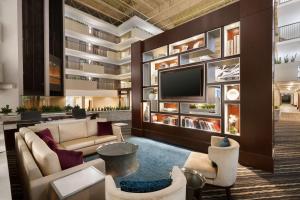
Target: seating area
<point>40,165</point>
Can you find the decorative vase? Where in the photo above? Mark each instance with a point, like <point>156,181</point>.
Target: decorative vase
<point>152,96</point>
<point>146,114</point>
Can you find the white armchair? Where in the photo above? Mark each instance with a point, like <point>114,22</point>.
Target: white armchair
<point>176,191</point>
<point>225,158</point>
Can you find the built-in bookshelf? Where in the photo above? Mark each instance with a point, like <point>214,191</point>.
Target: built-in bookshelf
<point>191,43</point>
<point>219,112</point>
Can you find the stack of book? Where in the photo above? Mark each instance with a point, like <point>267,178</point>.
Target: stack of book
<point>233,46</point>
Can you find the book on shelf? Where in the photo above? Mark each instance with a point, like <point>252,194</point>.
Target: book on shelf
<point>198,124</point>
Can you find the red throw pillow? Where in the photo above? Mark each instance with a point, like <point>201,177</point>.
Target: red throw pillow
<point>45,133</point>
<point>66,158</point>
<point>51,144</point>
<point>104,128</point>
<point>46,136</point>
<point>69,159</point>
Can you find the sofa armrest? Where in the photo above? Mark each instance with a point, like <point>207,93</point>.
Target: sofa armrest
<point>117,131</point>
<point>40,188</point>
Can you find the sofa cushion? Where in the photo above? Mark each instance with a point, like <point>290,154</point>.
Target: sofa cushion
<point>69,159</point>
<point>78,143</point>
<point>46,159</point>
<point>104,138</point>
<point>144,186</point>
<point>52,127</point>
<point>24,130</point>
<point>29,138</point>
<point>104,128</point>
<point>201,163</point>
<point>92,127</point>
<point>72,131</point>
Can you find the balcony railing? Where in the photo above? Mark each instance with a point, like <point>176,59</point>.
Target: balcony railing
<point>97,68</point>
<point>283,1</point>
<point>84,29</point>
<point>289,32</point>
<point>80,46</point>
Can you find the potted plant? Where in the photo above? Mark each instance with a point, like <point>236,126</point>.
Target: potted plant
<point>21,109</point>
<point>286,59</point>
<point>278,61</point>
<point>276,113</point>
<point>5,110</point>
<point>293,59</point>
<point>68,108</point>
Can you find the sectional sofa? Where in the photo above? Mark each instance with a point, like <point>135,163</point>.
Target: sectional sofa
<point>39,165</point>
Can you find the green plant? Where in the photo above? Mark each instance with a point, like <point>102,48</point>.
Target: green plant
<point>293,59</point>
<point>193,106</point>
<point>21,109</point>
<point>68,108</point>
<point>51,109</point>
<point>286,59</point>
<point>76,107</point>
<point>33,109</point>
<point>5,110</point>
<point>278,61</point>
<point>276,107</point>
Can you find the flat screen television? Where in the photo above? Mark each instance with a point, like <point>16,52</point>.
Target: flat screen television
<point>184,84</point>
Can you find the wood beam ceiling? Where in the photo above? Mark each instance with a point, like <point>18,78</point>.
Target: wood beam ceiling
<point>164,14</point>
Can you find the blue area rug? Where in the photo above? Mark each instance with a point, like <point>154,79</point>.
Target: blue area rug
<point>156,159</point>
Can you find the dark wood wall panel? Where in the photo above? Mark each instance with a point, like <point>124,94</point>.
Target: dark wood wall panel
<point>56,42</point>
<point>33,47</point>
<point>136,71</point>
<point>256,138</point>
<point>256,81</point>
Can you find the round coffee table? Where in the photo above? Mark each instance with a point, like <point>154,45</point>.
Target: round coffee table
<point>195,183</point>
<point>120,158</point>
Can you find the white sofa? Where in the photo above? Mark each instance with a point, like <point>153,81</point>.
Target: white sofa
<point>39,165</point>
<point>78,135</point>
<point>176,191</point>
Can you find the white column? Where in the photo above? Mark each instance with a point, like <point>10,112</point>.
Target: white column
<point>11,52</point>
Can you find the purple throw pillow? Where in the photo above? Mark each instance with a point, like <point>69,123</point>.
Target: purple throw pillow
<point>69,159</point>
<point>104,128</point>
<point>50,143</point>
<point>46,136</point>
<point>45,133</point>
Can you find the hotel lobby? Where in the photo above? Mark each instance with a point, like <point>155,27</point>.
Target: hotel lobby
<point>144,100</point>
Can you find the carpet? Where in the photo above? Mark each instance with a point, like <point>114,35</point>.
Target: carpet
<point>156,159</point>
<point>251,184</point>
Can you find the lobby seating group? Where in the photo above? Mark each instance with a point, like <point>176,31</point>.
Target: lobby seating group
<point>39,165</point>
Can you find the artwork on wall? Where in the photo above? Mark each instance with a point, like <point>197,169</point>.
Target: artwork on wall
<point>228,73</point>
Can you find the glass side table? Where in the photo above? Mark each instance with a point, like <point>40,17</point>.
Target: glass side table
<point>195,183</point>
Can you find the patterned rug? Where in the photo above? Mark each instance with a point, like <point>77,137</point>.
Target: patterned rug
<point>251,184</point>
<point>156,160</point>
